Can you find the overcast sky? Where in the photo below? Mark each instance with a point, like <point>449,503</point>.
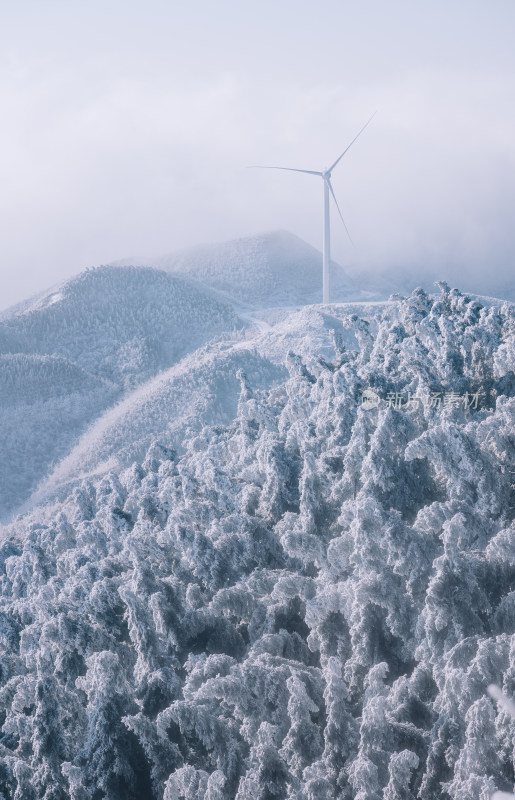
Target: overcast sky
<point>127,128</point>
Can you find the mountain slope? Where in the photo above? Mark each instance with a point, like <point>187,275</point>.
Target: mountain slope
<point>45,403</point>
<point>67,355</point>
<point>123,324</point>
<point>201,390</point>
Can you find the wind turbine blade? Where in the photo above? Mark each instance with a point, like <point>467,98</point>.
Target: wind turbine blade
<point>339,212</point>
<point>289,169</point>
<point>350,145</point>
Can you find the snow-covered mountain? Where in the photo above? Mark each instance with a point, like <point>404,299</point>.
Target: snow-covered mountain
<point>202,389</point>
<point>272,269</point>
<point>122,326</point>
<point>121,323</point>
<point>68,354</point>
<point>307,601</point>
<point>267,551</point>
<point>76,360</point>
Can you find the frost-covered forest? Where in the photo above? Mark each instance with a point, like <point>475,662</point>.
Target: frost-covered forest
<point>308,602</point>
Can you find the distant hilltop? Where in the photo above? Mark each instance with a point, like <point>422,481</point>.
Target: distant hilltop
<point>271,269</point>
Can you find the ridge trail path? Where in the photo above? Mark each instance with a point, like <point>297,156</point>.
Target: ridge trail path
<point>254,319</point>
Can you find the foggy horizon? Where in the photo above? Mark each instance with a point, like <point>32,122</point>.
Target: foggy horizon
<point>128,132</point>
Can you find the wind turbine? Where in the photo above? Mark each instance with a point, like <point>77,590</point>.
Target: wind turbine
<point>328,189</point>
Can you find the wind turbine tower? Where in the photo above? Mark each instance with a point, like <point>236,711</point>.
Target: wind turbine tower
<point>328,190</point>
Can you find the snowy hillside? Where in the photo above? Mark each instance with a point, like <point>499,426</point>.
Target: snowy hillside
<point>123,324</point>
<point>272,269</point>
<point>307,603</point>
<point>202,389</point>
<point>45,403</point>
<point>67,355</point>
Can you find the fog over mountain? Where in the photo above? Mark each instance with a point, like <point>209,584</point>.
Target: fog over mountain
<point>128,127</point>
<point>275,268</point>
<point>279,268</point>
